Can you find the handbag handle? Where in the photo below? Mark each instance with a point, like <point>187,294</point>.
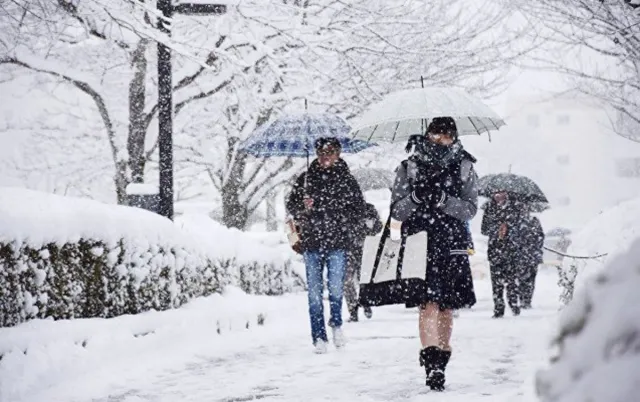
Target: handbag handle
<point>386,232</point>
<point>383,239</point>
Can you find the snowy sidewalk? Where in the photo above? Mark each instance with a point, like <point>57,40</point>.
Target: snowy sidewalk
<point>493,360</point>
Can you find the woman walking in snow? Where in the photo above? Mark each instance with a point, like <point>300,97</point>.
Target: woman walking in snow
<point>435,191</point>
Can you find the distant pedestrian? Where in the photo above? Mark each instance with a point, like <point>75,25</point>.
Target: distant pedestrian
<point>367,225</point>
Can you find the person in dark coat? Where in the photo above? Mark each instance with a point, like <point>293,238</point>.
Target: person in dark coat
<point>324,202</point>
<point>367,225</point>
<point>531,238</point>
<point>511,250</point>
<point>435,191</point>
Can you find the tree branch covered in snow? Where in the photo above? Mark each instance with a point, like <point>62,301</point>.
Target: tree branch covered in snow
<point>596,44</point>
<point>233,73</point>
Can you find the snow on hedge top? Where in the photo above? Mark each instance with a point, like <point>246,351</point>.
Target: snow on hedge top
<point>230,243</point>
<point>599,338</point>
<point>610,232</point>
<point>39,218</point>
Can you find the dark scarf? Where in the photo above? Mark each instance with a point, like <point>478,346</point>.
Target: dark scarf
<point>428,152</point>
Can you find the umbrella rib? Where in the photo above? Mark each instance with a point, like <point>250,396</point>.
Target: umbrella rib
<point>474,125</point>
<point>395,132</point>
<point>372,132</point>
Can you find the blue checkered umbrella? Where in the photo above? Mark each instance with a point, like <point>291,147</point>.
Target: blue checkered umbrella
<point>295,135</point>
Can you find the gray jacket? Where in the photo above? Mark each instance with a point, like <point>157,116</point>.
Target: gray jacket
<point>463,208</point>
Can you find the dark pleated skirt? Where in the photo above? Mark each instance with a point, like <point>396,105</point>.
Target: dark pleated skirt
<point>449,281</point>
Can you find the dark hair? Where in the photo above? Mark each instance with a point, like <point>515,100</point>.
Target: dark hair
<point>443,125</point>
<point>326,142</point>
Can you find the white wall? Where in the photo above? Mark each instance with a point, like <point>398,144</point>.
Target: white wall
<point>566,145</point>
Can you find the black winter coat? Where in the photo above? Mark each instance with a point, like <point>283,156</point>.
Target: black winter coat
<point>338,207</point>
<point>522,245</point>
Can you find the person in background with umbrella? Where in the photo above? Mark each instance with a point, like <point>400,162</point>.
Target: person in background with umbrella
<point>325,202</point>
<point>514,250</point>
<point>435,191</point>
<point>367,225</point>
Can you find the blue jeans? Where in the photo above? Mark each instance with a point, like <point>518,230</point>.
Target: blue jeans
<point>336,262</point>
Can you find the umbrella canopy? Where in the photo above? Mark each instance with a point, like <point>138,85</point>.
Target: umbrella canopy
<point>520,187</point>
<point>402,114</point>
<point>373,179</point>
<point>532,207</point>
<point>295,135</point>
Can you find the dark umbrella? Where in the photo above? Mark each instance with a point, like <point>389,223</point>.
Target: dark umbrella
<point>519,187</point>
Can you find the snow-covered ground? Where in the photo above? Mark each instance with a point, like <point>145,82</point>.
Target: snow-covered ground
<point>181,357</point>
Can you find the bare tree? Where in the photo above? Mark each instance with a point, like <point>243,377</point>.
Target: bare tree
<point>596,44</point>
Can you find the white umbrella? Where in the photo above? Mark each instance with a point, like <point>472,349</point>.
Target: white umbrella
<point>405,113</point>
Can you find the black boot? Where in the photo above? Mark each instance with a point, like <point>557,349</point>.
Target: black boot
<point>435,362</point>
<point>353,315</point>
<point>426,361</point>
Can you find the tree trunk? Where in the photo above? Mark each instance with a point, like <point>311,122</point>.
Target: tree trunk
<point>137,130</point>
<point>272,222</point>
<point>234,212</point>
<point>121,181</point>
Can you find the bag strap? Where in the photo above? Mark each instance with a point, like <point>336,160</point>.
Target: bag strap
<point>386,232</point>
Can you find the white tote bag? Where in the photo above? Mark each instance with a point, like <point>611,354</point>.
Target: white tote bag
<point>391,274</point>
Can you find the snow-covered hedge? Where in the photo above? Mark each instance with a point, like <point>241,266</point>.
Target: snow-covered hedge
<point>611,231</point>
<point>258,263</point>
<point>65,257</point>
<point>597,345</point>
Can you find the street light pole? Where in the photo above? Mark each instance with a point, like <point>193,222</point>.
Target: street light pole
<point>165,96</point>
<point>165,114</point>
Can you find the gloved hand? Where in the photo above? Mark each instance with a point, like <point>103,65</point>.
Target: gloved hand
<point>429,193</point>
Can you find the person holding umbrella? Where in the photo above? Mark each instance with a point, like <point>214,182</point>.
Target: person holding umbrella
<point>437,184</point>
<point>499,222</point>
<point>322,203</point>
<point>515,238</point>
<point>326,202</point>
<point>435,191</point>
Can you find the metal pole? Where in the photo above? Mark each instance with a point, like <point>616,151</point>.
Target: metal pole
<point>165,115</point>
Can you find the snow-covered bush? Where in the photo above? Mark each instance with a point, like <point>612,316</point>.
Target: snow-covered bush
<point>611,231</point>
<point>597,345</point>
<point>66,257</point>
<point>258,263</point>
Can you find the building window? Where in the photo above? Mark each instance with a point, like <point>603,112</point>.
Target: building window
<point>533,120</point>
<point>563,120</point>
<point>628,167</point>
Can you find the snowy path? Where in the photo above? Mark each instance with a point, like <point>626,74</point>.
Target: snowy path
<point>492,360</point>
